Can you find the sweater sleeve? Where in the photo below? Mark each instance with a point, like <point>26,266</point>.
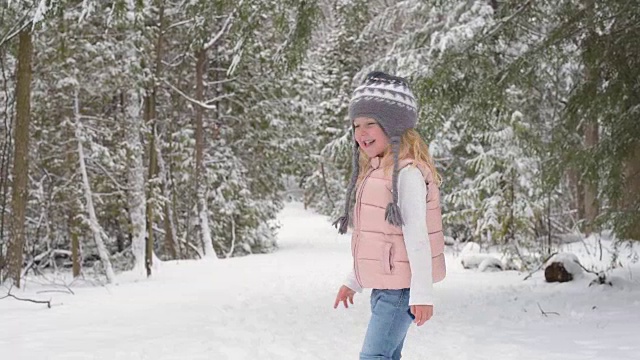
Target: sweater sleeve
<point>412,195</point>
<point>351,282</point>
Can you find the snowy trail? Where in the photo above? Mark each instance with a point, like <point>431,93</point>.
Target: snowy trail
<point>279,306</point>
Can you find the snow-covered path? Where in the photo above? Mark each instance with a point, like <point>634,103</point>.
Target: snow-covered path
<point>280,306</point>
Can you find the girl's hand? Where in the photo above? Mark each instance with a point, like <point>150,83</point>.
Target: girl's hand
<point>344,294</point>
<point>422,313</point>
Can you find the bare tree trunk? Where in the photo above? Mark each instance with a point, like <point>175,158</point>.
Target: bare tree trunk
<point>75,244</point>
<point>73,224</point>
<point>183,239</point>
<point>632,192</point>
<point>577,195</point>
<point>590,187</point>
<point>21,157</point>
<point>150,120</point>
<point>590,130</point>
<point>4,167</point>
<point>233,237</point>
<point>171,240</point>
<point>201,184</point>
<point>135,178</point>
<point>96,229</point>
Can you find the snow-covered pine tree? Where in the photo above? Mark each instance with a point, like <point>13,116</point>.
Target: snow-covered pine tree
<point>242,116</point>
<point>329,70</point>
<point>258,119</point>
<point>598,135</point>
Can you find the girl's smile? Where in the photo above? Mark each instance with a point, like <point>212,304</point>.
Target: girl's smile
<point>370,136</point>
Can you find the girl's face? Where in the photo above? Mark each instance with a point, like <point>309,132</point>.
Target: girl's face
<point>370,136</point>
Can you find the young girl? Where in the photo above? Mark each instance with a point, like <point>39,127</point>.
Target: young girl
<point>397,242</point>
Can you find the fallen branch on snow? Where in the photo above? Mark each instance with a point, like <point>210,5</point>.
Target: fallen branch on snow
<point>9,294</point>
<point>601,276</point>
<point>57,291</point>
<point>546,313</point>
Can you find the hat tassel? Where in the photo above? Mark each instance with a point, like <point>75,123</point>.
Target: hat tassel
<point>392,213</point>
<point>343,221</point>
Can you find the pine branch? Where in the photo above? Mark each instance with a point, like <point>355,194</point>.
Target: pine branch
<point>500,25</point>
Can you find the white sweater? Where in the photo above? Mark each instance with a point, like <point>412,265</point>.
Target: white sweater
<point>412,192</point>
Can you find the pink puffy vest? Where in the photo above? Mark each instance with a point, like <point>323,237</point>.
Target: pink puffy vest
<point>379,253</point>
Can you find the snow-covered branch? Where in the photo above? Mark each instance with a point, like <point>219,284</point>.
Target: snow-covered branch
<point>98,233</point>
<point>13,33</point>
<point>199,103</point>
<point>115,182</point>
<point>223,30</point>
<point>179,23</point>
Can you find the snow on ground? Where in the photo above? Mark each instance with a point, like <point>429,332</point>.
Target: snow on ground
<point>280,306</point>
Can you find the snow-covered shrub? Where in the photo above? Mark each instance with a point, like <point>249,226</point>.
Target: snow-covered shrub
<point>490,264</point>
<point>472,261</point>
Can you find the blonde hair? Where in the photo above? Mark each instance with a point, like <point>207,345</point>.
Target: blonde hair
<point>411,147</point>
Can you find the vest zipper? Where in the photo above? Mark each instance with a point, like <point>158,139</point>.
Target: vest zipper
<point>359,202</point>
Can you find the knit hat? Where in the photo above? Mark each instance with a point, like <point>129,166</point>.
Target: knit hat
<point>388,100</point>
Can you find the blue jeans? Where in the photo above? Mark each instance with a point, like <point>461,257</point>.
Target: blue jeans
<point>390,321</point>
